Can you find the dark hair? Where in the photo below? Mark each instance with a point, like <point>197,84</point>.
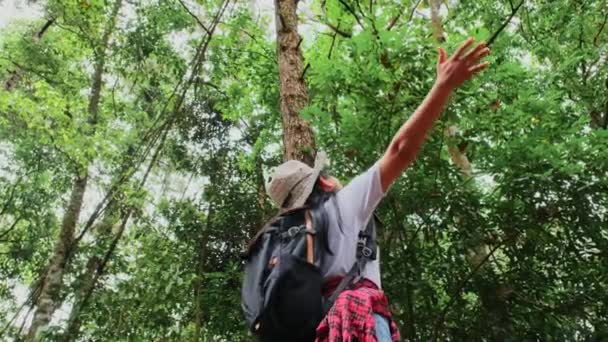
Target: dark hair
<point>318,196</point>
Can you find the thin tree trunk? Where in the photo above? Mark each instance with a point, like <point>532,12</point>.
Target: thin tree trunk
<point>298,139</point>
<point>86,283</point>
<point>198,315</point>
<point>200,263</point>
<point>107,236</point>
<point>87,280</point>
<point>113,214</point>
<point>48,300</point>
<point>52,282</point>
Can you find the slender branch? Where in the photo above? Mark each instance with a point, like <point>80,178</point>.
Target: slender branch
<point>11,228</point>
<point>304,71</point>
<point>31,299</point>
<point>82,35</point>
<point>413,11</point>
<point>35,72</point>
<point>597,35</point>
<point>10,196</point>
<point>268,53</point>
<point>45,27</point>
<point>214,86</point>
<point>358,3</point>
<point>370,17</point>
<point>25,320</point>
<point>200,23</point>
<point>351,11</point>
<point>331,47</point>
<point>338,31</point>
<point>393,21</point>
<point>413,237</point>
<point>504,25</point>
<point>511,4</point>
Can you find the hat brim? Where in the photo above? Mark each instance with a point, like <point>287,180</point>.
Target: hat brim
<point>305,189</point>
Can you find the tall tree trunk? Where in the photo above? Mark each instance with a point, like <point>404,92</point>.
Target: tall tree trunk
<point>298,139</point>
<point>51,285</point>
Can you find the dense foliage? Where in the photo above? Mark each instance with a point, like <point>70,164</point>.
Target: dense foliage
<point>174,150</point>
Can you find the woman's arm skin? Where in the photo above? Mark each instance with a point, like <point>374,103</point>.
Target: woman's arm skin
<point>451,73</point>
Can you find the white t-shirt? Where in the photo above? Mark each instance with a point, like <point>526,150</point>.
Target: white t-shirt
<point>357,202</point>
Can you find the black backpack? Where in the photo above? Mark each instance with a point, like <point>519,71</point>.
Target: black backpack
<point>281,294</point>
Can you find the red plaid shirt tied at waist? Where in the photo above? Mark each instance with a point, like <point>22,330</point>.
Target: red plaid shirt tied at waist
<point>352,316</point>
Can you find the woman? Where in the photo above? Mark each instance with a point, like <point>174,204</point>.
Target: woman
<point>361,313</point>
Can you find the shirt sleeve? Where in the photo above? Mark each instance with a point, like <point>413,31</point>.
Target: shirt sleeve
<point>358,200</point>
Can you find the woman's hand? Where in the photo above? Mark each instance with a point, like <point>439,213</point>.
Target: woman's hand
<point>454,71</point>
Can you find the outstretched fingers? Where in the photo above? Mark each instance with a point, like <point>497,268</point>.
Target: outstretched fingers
<point>443,56</point>
<point>479,67</point>
<point>458,54</point>
<point>480,51</point>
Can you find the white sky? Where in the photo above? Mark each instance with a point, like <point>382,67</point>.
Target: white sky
<point>11,10</point>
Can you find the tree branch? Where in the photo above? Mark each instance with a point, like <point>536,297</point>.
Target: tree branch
<point>36,72</point>
<point>45,27</point>
<point>504,25</point>
<point>200,23</point>
<point>82,35</point>
<point>304,71</point>
<point>338,31</point>
<point>362,12</point>
<point>393,21</point>
<point>268,53</point>
<point>13,226</point>
<point>413,11</point>
<point>351,11</point>
<point>10,196</point>
<point>597,35</point>
<point>331,47</point>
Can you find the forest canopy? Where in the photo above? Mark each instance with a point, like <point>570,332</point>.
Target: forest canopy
<point>136,137</point>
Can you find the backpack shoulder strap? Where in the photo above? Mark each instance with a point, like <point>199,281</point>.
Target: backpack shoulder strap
<point>366,250</point>
<point>310,248</point>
